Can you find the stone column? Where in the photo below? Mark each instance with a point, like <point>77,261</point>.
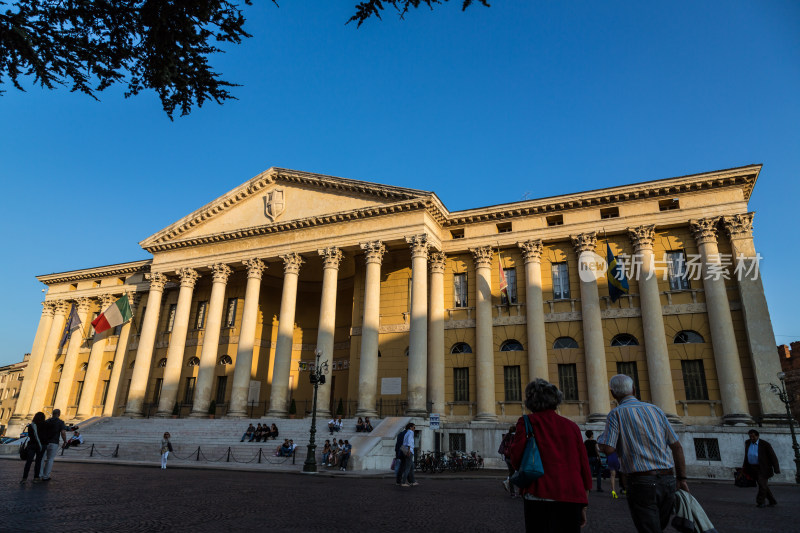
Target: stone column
<point>71,359</point>
<point>418,331</point>
<point>723,339</point>
<point>144,353</point>
<point>327,323</point>
<point>31,372</point>
<point>436,346</point>
<point>760,336</point>
<point>48,357</point>
<point>370,328</point>
<point>247,339</point>
<point>177,343</point>
<point>281,368</point>
<point>534,310</point>
<point>594,347</point>
<point>208,354</point>
<point>90,381</point>
<point>484,336</point>
<point>120,360</point>
<point>655,338</point>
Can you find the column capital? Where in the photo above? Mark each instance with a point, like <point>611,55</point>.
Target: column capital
<point>291,263</point>
<point>157,280</point>
<point>419,245</point>
<point>83,304</point>
<point>331,257</point>
<point>482,256</point>
<point>105,300</point>
<point>255,267</point>
<point>48,308</point>
<point>134,298</point>
<point>584,242</point>
<point>188,277</point>
<point>739,226</point>
<point>220,272</point>
<point>642,237</point>
<point>373,251</point>
<point>437,262</point>
<point>61,306</point>
<point>531,250</point>
<point>704,229</point>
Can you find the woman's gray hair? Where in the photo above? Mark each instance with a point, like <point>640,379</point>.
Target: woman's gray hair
<point>621,385</point>
<point>541,395</point>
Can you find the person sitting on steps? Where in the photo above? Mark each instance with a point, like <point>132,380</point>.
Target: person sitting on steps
<point>367,425</point>
<point>347,450</point>
<point>360,425</point>
<point>273,433</point>
<point>249,434</point>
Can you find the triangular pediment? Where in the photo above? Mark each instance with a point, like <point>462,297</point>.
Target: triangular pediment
<point>279,196</point>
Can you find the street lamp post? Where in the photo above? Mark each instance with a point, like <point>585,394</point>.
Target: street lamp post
<point>317,378</point>
<point>784,397</point>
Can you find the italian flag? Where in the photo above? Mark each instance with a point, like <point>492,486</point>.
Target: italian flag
<point>117,313</point>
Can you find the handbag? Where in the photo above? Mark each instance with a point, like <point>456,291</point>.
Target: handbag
<point>23,450</point>
<point>394,463</point>
<point>531,468</point>
<point>405,450</point>
<point>169,446</point>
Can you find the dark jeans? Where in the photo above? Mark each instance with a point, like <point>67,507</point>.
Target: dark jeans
<point>33,455</point>
<point>552,517</point>
<point>408,469</point>
<point>597,470</point>
<point>651,500</point>
<point>343,463</point>
<point>764,491</point>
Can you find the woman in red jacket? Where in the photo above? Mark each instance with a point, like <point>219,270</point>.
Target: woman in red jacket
<point>556,501</point>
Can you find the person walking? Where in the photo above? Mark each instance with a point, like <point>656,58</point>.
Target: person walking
<point>593,453</point>
<point>54,429</point>
<point>504,450</point>
<point>398,455</point>
<point>36,447</point>
<point>166,447</point>
<point>612,461</point>
<point>760,463</point>
<point>640,434</point>
<point>407,451</point>
<point>557,501</point>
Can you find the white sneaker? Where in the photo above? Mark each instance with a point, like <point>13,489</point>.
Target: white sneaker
<point>506,485</point>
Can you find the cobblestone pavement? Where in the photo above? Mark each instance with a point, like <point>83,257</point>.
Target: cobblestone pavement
<point>101,497</point>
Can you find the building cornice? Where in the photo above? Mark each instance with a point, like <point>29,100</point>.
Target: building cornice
<point>119,269</point>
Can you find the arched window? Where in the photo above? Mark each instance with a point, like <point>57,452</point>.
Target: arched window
<point>225,360</point>
<point>194,361</point>
<point>59,368</point>
<point>110,365</point>
<point>564,342</point>
<point>163,362</point>
<point>461,347</point>
<point>624,339</point>
<point>84,366</point>
<point>688,336</point>
<point>511,345</point>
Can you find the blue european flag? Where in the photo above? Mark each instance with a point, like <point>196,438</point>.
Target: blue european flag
<point>72,324</point>
<point>617,282</point>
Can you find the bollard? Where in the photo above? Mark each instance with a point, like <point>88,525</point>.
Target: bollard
<point>91,452</point>
<point>116,452</point>
<point>259,456</point>
<point>198,453</point>
<point>294,454</point>
<point>228,460</point>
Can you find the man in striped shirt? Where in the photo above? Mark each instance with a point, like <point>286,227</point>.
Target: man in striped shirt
<point>640,434</point>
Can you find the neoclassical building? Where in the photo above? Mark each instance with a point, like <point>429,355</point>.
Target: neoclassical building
<point>403,298</point>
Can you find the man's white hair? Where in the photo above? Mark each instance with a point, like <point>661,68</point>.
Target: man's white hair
<point>621,385</point>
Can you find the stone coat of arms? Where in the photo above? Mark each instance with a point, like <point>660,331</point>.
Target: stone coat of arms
<point>274,204</point>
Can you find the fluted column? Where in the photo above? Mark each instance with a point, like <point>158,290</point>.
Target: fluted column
<point>92,377</point>
<point>655,338</point>
<point>760,336</point>
<point>147,338</point>
<point>370,328</point>
<point>436,334</point>
<point>332,258</point>
<point>31,372</point>
<point>48,357</point>
<point>281,368</point>
<point>208,355</point>
<point>177,343</point>
<point>418,331</point>
<point>71,359</point>
<point>247,338</point>
<point>534,310</point>
<point>120,359</point>
<point>594,344</point>
<point>723,338</point>
<point>484,336</point>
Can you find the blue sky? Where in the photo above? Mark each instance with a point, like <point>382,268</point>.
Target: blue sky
<point>483,107</point>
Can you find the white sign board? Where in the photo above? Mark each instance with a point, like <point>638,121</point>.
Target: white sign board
<point>391,386</point>
<point>433,419</point>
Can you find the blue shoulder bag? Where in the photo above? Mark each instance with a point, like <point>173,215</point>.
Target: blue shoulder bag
<point>530,469</point>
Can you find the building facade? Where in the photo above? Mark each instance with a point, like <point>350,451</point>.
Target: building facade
<point>10,385</point>
<point>421,308</point>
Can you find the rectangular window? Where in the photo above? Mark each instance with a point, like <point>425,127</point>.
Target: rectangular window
<point>460,289</point>
<point>555,220</point>
<point>200,322</point>
<point>222,384</point>
<point>79,393</point>
<point>171,316</point>
<point>104,397</point>
<point>230,316</point>
<point>461,384</point>
<point>189,396</point>
<point>707,449</point>
<point>676,269</point>
<point>513,383</point>
<point>504,227</point>
<point>568,381</point>
<point>157,391</point>
<point>55,391</point>
<point>458,442</point>
<point>668,205</point>
<point>694,379</point>
<point>630,370</point>
<point>511,281</point>
<point>560,281</point>
<point>457,233</point>
<point>609,212</point>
